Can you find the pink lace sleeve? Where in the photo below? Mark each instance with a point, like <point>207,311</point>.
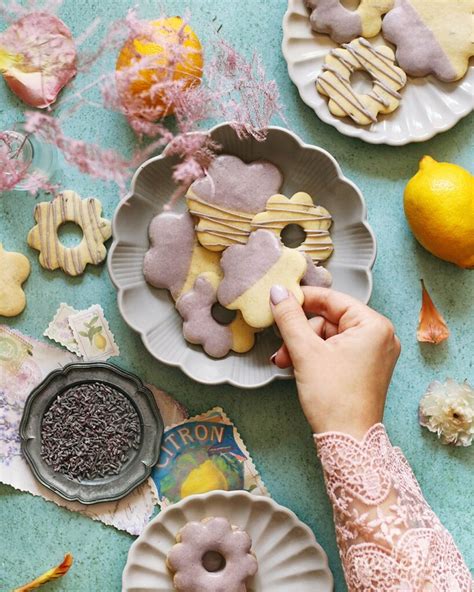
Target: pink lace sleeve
<point>389,538</point>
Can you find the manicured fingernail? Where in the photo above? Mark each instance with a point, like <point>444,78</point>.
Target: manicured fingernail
<point>278,294</point>
<point>273,358</point>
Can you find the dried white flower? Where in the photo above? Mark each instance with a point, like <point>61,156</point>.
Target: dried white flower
<point>448,410</point>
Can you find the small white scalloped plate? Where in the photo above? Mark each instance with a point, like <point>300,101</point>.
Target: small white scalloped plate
<point>427,108</point>
<point>151,312</point>
<point>289,558</point>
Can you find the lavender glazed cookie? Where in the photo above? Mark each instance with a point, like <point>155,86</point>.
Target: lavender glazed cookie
<point>344,25</point>
<point>228,197</point>
<point>175,257</point>
<point>200,327</point>
<point>316,275</point>
<point>211,556</point>
<point>251,270</point>
<point>432,36</point>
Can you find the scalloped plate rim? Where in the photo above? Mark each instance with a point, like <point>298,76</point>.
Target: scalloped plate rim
<point>276,373</point>
<point>339,123</point>
<point>228,495</point>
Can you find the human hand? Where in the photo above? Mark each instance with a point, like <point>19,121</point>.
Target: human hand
<point>343,358</point>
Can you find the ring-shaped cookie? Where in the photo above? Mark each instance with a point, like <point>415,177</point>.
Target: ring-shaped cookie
<point>233,563</point>
<point>344,25</point>
<point>379,63</point>
<point>300,210</point>
<point>69,207</point>
<point>200,327</point>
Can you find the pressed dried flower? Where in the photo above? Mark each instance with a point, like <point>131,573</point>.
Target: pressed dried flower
<point>447,409</point>
<point>37,58</point>
<point>52,574</point>
<point>432,328</point>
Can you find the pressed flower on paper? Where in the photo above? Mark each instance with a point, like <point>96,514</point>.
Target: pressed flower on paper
<point>447,409</point>
<point>432,328</point>
<point>52,574</point>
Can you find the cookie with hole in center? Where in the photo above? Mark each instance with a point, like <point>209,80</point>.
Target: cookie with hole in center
<point>211,555</point>
<point>282,214</point>
<point>51,215</point>
<point>379,63</point>
<point>218,331</point>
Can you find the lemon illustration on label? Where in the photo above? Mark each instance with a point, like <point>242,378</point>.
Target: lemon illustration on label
<point>206,477</point>
<point>439,206</point>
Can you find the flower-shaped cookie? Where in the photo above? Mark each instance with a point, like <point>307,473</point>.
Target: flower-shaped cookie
<point>432,37</point>
<point>200,327</point>
<point>69,207</point>
<point>175,257</point>
<point>37,58</point>
<point>14,270</point>
<point>281,212</point>
<point>342,24</point>
<point>335,81</point>
<point>228,197</point>
<point>251,270</point>
<point>195,543</point>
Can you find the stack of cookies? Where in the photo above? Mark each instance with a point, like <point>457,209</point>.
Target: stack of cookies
<point>220,258</point>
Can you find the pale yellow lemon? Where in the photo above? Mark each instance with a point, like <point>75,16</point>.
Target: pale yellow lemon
<point>99,341</point>
<point>188,66</point>
<point>439,206</point>
<point>206,477</point>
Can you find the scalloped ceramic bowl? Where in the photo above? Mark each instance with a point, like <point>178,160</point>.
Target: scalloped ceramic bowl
<point>428,106</point>
<point>151,312</point>
<point>289,558</point>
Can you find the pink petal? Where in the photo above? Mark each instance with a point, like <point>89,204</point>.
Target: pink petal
<point>45,58</point>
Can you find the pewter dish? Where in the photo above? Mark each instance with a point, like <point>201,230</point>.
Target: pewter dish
<point>151,312</point>
<point>289,557</point>
<point>141,461</point>
<point>428,106</point>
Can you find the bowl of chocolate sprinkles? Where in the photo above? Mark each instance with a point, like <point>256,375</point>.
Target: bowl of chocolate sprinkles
<point>91,432</point>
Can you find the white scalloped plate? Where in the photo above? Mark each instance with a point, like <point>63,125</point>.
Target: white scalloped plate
<point>289,558</point>
<point>428,106</point>
<point>151,312</point>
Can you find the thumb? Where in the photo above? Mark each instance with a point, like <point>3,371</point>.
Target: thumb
<point>292,322</point>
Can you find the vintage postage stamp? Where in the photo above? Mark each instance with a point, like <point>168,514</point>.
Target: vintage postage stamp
<point>59,330</point>
<point>91,330</point>
<point>202,454</point>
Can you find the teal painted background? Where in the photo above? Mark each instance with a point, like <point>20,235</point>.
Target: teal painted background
<point>34,534</point>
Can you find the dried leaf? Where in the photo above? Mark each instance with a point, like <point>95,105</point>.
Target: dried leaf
<point>37,58</point>
<point>52,574</point>
<point>432,328</point>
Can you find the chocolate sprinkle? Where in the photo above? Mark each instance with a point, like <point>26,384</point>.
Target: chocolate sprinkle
<point>89,431</point>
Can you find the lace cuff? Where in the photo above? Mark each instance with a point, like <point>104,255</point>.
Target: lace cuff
<point>388,536</point>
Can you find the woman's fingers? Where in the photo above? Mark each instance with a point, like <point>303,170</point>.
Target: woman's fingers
<point>328,303</point>
<point>292,322</point>
<point>320,326</point>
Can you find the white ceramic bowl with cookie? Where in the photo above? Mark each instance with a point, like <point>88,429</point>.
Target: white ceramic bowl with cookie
<point>151,311</point>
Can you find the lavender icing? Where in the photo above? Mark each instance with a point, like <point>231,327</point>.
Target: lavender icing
<point>167,262</point>
<point>234,185</point>
<point>211,534</point>
<point>244,265</point>
<point>199,326</point>
<point>418,51</point>
<point>316,275</point>
<point>330,16</point>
